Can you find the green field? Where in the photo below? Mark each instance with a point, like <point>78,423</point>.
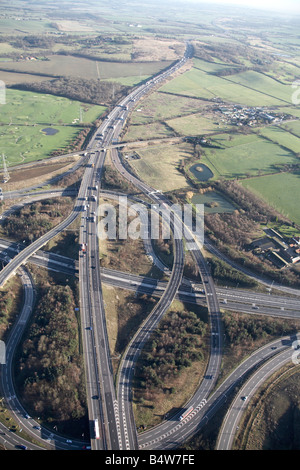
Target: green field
<point>282,137</point>
<point>265,85</point>
<point>36,108</point>
<point>246,155</point>
<point>210,67</point>
<point>162,106</point>
<point>197,124</point>
<point>26,114</point>
<point>11,78</point>
<point>283,72</point>
<point>293,127</point>
<point>199,84</point>
<point>213,203</point>
<point>9,26</point>
<point>81,67</point>
<point>155,130</point>
<point>281,191</point>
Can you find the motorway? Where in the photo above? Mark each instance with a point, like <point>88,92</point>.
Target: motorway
<point>233,299</point>
<point>132,353</point>
<point>113,411</point>
<point>27,426</point>
<point>262,280</point>
<point>201,414</point>
<point>118,429</point>
<point>137,342</point>
<point>30,191</point>
<point>165,436</point>
<point>239,405</point>
<point>124,386</point>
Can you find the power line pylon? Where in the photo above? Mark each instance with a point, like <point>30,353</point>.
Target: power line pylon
<point>6,176</point>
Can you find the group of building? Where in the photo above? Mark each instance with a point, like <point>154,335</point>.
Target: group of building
<point>281,251</point>
<point>239,115</point>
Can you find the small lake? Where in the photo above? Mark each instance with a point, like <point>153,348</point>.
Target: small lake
<point>201,172</point>
<point>49,131</point>
<point>213,202</point>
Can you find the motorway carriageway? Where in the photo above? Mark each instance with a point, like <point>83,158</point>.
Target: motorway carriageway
<point>236,299</point>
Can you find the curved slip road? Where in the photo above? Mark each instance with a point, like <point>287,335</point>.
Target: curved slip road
<point>242,400</point>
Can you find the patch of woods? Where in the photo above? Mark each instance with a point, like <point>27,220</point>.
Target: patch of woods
<point>34,220</point>
<point>79,89</point>
<point>32,41</point>
<point>132,311</point>
<point>244,330</point>
<point>71,180</point>
<point>11,298</point>
<point>111,179</point>
<point>174,346</point>
<point>226,72</point>
<point>229,53</point>
<point>49,371</point>
<point>165,249</point>
<point>47,42</point>
<point>6,303</point>
<point>228,275</point>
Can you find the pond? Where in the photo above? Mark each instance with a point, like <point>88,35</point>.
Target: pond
<point>50,131</point>
<point>201,172</point>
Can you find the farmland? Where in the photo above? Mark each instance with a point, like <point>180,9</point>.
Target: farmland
<point>281,191</point>
<point>282,137</point>
<point>71,75</point>
<point>158,165</point>
<point>148,131</point>
<point>161,107</point>
<point>199,84</point>
<point>196,124</point>
<point>82,67</point>
<point>223,131</point>
<point>245,156</point>
<point>268,87</point>
<point>189,105</point>
<point>24,117</point>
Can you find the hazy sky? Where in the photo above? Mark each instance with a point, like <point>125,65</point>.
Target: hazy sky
<point>285,5</point>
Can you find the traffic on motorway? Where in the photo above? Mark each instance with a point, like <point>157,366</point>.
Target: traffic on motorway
<point>112,425</point>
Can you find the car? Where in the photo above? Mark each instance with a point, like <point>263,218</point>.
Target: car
<point>20,446</point>
<point>244,398</point>
<point>69,441</point>
<point>26,416</point>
